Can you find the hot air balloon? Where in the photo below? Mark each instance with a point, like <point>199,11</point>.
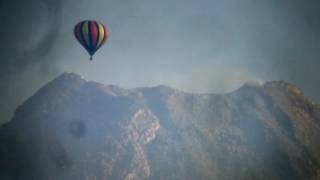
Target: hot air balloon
<point>91,35</point>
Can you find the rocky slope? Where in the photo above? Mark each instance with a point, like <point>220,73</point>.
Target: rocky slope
<point>75,129</point>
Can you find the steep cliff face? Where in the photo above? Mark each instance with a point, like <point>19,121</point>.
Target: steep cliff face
<point>75,129</point>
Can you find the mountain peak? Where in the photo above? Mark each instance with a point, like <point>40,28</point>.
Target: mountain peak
<point>69,76</point>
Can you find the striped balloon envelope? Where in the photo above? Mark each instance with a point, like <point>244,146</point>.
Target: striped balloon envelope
<point>91,35</point>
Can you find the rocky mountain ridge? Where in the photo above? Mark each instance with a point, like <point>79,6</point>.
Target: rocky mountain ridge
<point>77,129</point>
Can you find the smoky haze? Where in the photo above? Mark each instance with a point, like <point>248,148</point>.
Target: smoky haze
<point>29,30</point>
<point>197,46</point>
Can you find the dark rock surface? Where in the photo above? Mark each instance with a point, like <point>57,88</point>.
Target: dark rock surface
<point>75,129</point>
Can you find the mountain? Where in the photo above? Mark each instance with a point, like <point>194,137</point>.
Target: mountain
<point>77,129</point>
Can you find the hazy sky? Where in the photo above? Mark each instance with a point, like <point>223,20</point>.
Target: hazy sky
<point>193,45</point>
